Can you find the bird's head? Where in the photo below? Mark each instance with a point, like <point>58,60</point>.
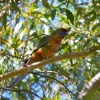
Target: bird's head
<point>62,31</point>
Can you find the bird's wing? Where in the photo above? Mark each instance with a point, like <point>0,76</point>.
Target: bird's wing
<point>44,41</point>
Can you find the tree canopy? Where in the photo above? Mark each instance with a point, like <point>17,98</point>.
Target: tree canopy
<point>73,73</point>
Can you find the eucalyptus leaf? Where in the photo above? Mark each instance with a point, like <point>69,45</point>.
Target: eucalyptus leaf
<point>45,4</point>
<point>5,20</point>
<point>70,16</point>
<point>53,14</point>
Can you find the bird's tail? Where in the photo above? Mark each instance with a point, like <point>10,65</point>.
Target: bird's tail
<point>16,81</point>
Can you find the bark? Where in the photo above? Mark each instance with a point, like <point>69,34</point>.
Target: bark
<point>90,90</point>
<point>29,68</point>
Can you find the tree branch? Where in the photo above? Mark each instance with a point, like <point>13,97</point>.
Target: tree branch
<point>29,68</point>
<point>91,88</point>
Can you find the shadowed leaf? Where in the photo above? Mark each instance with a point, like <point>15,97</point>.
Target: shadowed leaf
<point>53,14</point>
<point>4,20</point>
<point>45,4</point>
<point>70,16</point>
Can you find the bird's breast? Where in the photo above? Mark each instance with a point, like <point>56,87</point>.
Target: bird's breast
<point>48,50</point>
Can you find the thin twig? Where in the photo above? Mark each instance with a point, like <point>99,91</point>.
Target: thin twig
<point>18,91</point>
<point>50,73</point>
<point>55,80</point>
<point>6,54</point>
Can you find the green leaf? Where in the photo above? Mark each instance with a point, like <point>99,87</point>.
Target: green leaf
<point>45,4</point>
<point>53,13</point>
<point>80,11</point>
<point>3,97</point>
<point>98,59</point>
<point>96,26</point>
<point>87,14</point>
<point>4,20</point>
<point>89,20</point>
<point>97,7</point>
<point>61,0</point>
<point>15,6</point>
<point>70,16</point>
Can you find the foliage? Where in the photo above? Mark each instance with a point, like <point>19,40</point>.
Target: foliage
<point>23,24</point>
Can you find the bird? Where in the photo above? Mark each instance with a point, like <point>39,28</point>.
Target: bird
<point>47,47</point>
